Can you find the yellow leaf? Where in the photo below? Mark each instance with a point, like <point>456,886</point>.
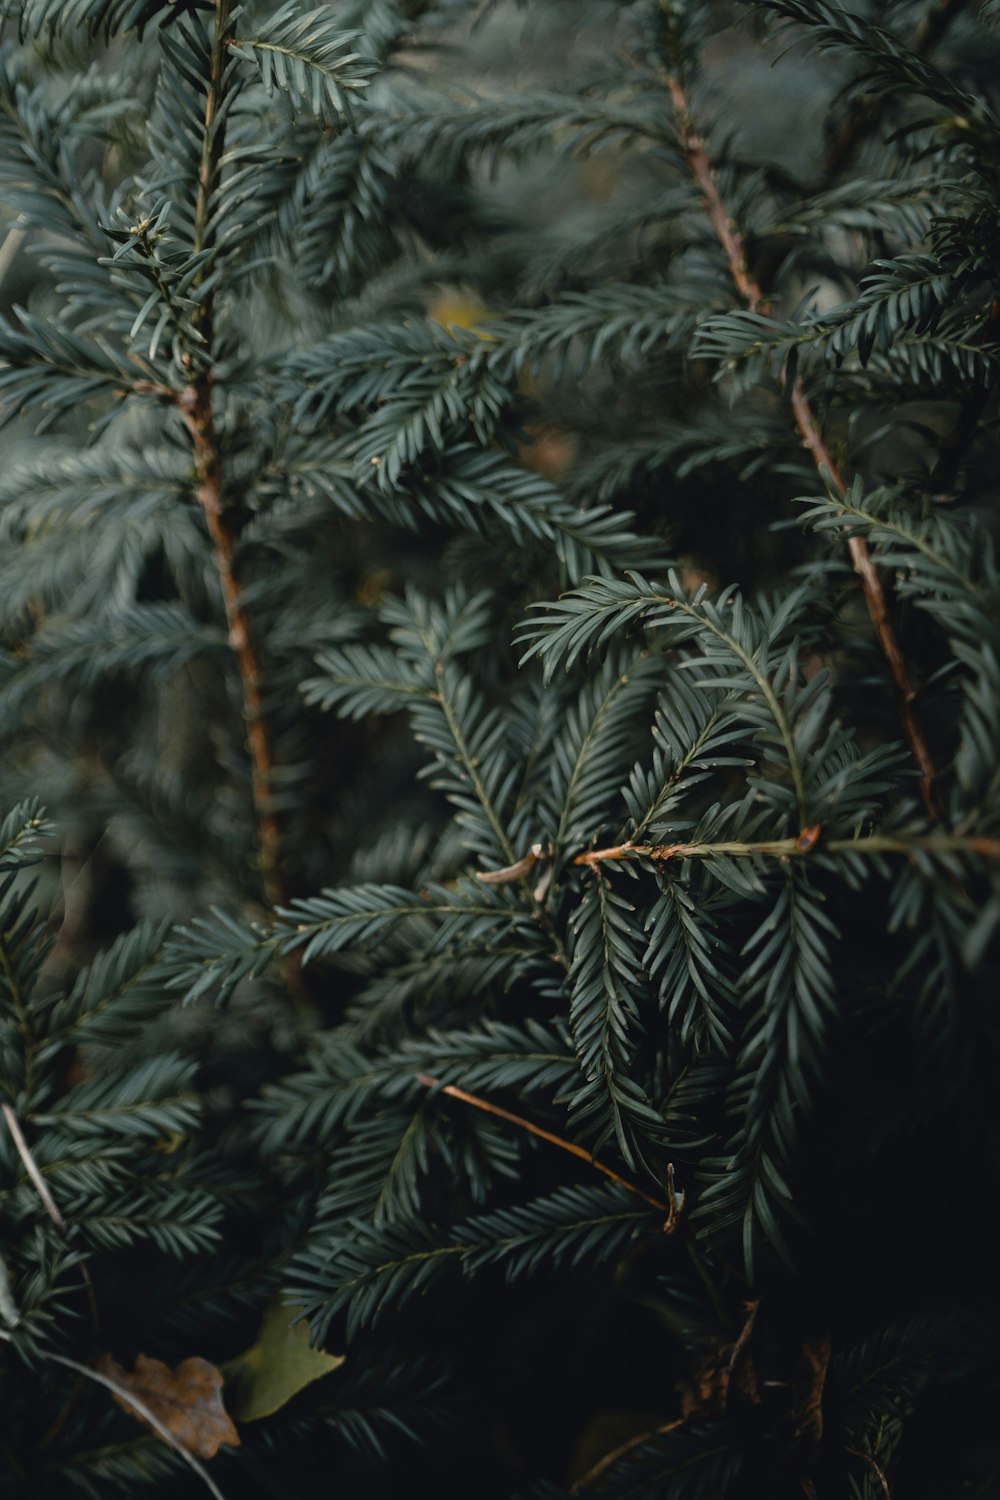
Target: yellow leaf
<point>280,1364</point>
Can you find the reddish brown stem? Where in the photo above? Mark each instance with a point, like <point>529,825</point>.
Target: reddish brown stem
<point>546,1135</point>
<point>195,407</point>
<point>693,147</point>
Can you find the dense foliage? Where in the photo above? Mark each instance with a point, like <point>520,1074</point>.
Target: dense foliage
<point>500,692</point>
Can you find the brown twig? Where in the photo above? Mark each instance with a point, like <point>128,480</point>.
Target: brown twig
<point>196,410</point>
<point>671,1209</point>
<point>694,150</point>
<point>31,1167</point>
<point>800,847</point>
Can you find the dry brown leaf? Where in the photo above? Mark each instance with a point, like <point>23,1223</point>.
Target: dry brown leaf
<point>188,1400</point>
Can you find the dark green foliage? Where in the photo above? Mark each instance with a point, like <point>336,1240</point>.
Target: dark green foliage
<point>499,599</point>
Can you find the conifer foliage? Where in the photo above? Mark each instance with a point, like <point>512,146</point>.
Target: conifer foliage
<point>500,692</point>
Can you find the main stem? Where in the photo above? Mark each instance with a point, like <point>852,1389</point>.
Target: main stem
<point>196,410</point>
<point>195,406</point>
<point>693,147</point>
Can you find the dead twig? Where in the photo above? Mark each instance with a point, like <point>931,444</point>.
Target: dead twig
<point>676,1200</point>
<point>31,1167</point>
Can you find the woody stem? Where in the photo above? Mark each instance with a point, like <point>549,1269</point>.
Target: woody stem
<point>801,847</point>
<point>196,411</point>
<point>544,1135</point>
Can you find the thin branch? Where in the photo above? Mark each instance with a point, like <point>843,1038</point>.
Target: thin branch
<point>693,148</point>
<point>670,1209</point>
<point>30,1166</point>
<point>800,847</point>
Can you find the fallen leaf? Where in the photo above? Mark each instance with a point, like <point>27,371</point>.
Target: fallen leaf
<point>188,1400</point>
<point>280,1364</point>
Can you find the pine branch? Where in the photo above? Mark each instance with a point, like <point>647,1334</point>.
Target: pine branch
<point>379,1269</point>
<point>196,410</point>
<point>307,60</point>
<point>695,152</point>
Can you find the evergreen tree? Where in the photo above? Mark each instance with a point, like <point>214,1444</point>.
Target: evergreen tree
<point>590,1035</point>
